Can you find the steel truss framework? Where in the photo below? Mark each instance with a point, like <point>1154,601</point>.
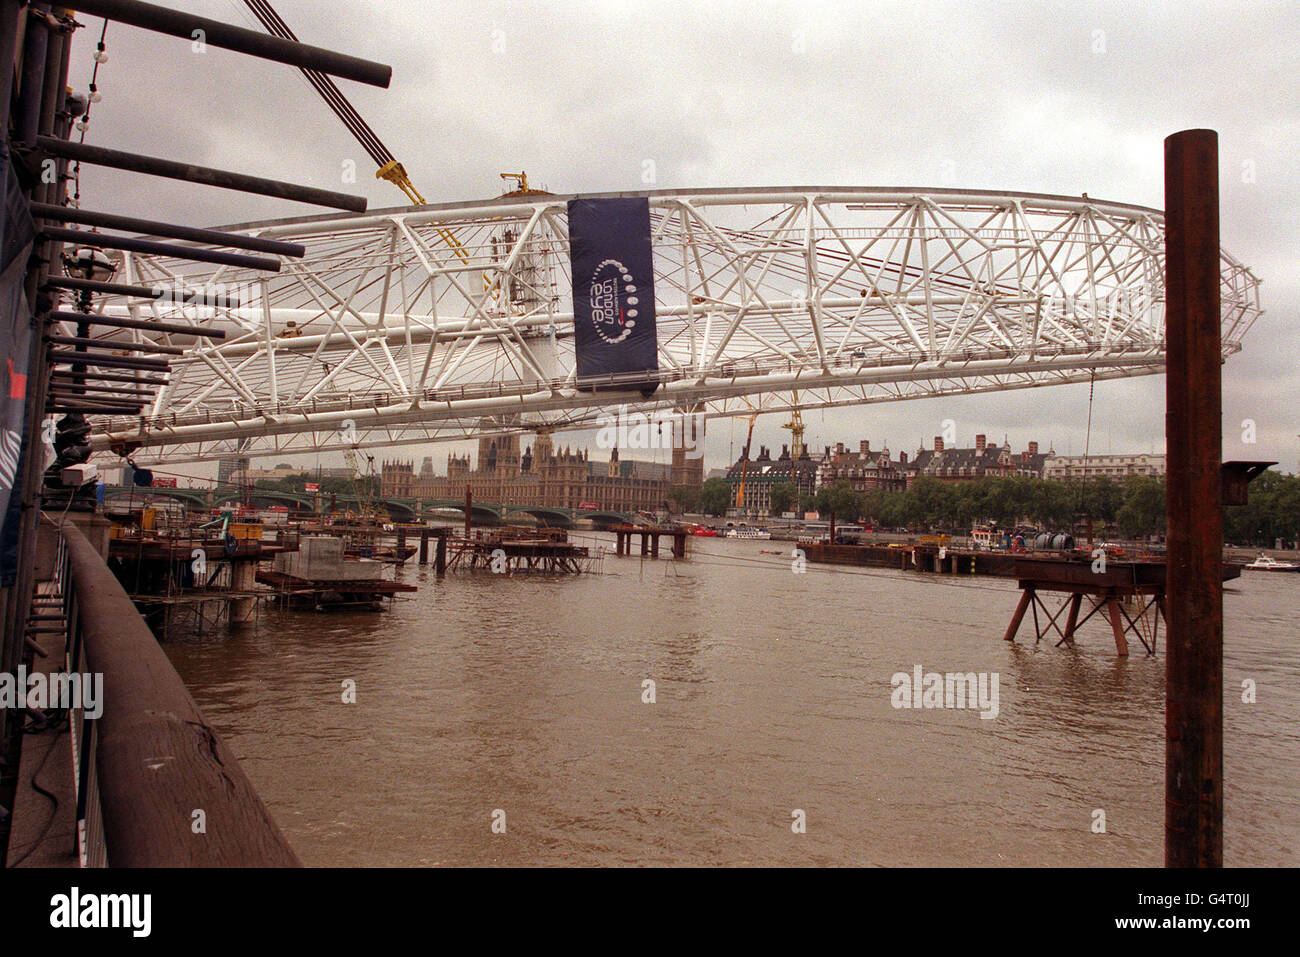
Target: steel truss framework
<point>433,323</point>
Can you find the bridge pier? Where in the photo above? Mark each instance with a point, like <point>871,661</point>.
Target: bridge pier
<point>243,579</point>
<point>649,540</point>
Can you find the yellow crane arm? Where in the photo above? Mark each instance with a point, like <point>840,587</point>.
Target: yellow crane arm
<point>744,464</point>
<point>396,174</point>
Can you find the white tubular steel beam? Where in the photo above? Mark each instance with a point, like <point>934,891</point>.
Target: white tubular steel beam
<point>416,324</point>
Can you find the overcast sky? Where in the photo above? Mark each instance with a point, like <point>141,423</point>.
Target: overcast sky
<point>1030,97</point>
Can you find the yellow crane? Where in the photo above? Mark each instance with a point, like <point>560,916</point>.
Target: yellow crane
<point>744,461</point>
<point>521,185</point>
<point>795,425</point>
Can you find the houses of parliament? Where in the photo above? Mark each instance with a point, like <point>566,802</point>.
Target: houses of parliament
<point>545,476</point>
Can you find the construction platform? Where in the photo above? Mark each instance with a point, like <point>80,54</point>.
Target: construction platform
<point>320,574</point>
<point>1131,595</point>
<point>649,535</point>
<point>193,578</point>
<point>515,550</point>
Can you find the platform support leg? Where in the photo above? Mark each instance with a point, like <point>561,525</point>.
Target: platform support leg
<point>1072,622</point>
<point>1026,596</point>
<point>1117,626</point>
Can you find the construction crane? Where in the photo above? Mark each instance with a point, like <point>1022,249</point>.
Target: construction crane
<point>744,461</point>
<point>389,167</point>
<point>362,484</point>
<point>795,425</point>
<point>521,185</point>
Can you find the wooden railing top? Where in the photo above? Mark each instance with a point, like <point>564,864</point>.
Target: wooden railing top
<point>158,759</point>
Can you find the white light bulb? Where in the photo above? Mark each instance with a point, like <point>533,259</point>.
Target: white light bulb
<point>101,56</point>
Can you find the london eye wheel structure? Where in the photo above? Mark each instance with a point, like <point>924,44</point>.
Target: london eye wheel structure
<point>438,322</point>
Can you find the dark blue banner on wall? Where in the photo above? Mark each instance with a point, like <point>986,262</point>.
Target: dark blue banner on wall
<point>16,234</point>
<point>612,264</point>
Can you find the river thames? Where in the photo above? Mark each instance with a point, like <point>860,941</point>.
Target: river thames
<point>771,739</point>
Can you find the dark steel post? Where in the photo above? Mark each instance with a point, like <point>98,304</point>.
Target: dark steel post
<point>222,179</point>
<point>9,13</point>
<point>149,227</point>
<point>1194,666</point>
<point>36,42</point>
<point>178,23</point>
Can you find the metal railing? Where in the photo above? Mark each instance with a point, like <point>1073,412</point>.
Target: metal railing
<point>155,785</point>
<point>618,381</point>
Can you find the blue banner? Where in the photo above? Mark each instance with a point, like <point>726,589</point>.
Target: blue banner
<point>612,265</point>
<point>16,234</point>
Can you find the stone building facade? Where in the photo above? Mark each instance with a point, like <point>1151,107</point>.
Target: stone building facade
<point>541,475</point>
<point>865,470</point>
<point>764,472</point>
<point>984,460</point>
<point>1064,467</point>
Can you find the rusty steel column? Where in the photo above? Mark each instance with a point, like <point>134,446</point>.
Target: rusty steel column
<point>1193,412</point>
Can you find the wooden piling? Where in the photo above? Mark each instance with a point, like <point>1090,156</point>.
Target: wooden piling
<point>1193,427</point>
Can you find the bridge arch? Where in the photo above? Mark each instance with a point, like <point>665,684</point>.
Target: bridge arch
<point>557,517</point>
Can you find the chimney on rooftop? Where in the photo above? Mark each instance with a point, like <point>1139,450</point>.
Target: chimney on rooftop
<point>839,448</point>
<point>1033,448</point>
<point>902,460</point>
<point>865,447</point>
<point>938,444</point>
<point>980,442</point>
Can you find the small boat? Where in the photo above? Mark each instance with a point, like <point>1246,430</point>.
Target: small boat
<point>704,531</point>
<point>753,534</point>
<point>1266,564</point>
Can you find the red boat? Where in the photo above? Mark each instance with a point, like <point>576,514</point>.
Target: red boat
<point>704,531</point>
